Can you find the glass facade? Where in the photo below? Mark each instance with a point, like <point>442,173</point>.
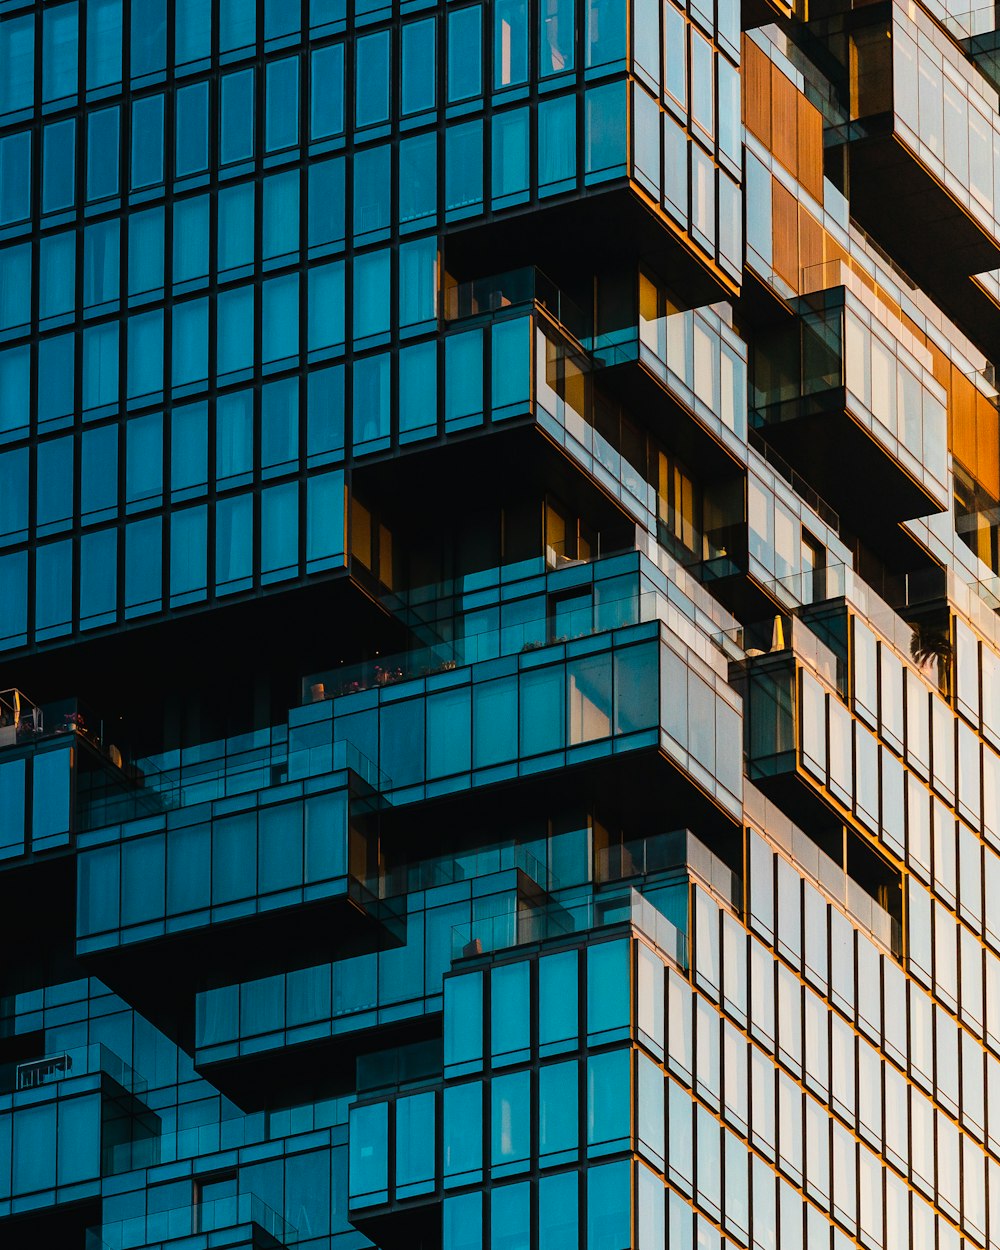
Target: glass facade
<point>499,646</point>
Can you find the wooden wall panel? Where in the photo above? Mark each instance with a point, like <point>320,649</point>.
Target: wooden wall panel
<point>784,208</point>
<point>810,151</point>
<point>755,73</point>
<point>784,120</point>
<point>988,446</point>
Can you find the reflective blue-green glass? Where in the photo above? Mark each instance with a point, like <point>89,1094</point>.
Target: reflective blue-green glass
<point>558,1211</point>
<point>233,437</point>
<point>191,130</point>
<point>12,832</point>
<point>606,32</point>
<point>34,1146</point>
<point>99,473</point>
<point>650,1106</point>
<point>144,443</point>
<point>145,252</point>
<point>609,996</point>
<point>606,114</point>
<point>148,49</point>
<point>236,229</point>
<point>326,219</point>
<point>324,521</point>
<point>15,177</point>
<point>372,189</point>
<point>279,426</point>
<point>449,738</point>
<point>465,53</point>
<point>145,356</point>
<point>281,115</point>
<point>327,102</point>
<point>189,364</point>
<point>326,309</point>
<point>419,59</point>
<point>56,275</point>
<point>188,555</point>
<point>54,484</point>
<point>281,217</point>
<point>55,373</point>
<point>17,56</point>
<point>463,1222</point>
<point>510,1008</point>
<point>237,26</point>
<point>14,495</point>
<point>510,1217</point>
<point>101,263</point>
<point>463,188</point>
<point>234,531</point>
<point>103,154</point>
<point>53,589</point>
<point>463,387</point>
<point>279,532</point>
<point>147,141</point>
<point>463,1021</point>
<point>510,43</point>
<point>418,283</point>
<point>558,1112</point>
<point>371,103</point>
<point>325,417</point>
<point>510,153</point>
<point>50,808</point>
<point>372,399</point>
<point>510,366</point>
<point>463,1134</point>
<point>280,320</point>
<point>608,1101</point>
<point>192,33</point>
<point>609,1206</point>
<point>13,588</point>
<point>15,287</point>
<point>143,567</point>
<point>415,1145</point>
<point>98,578</point>
<point>59,52</point>
<point>237,130</point>
<point>190,242</point>
<point>59,166</point>
<point>235,332</point>
<point>418,419</point>
<point>281,21</point>
<point>558,998</point>
<point>417,177</point>
<point>542,714</point>
<point>369,1163</point>
<point>143,864</point>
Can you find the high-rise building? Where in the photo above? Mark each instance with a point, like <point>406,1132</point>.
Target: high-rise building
<point>499,637</point>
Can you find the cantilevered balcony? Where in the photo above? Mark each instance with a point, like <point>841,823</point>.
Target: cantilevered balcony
<point>239,1223</point>
<point>921,144</point>
<point>271,875</point>
<point>848,397</point>
<point>69,1118</point>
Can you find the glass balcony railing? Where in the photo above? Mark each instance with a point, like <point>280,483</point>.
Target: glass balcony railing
<point>494,933</point>
<point>517,288</point>
<point>35,1074</point>
<point>201,1224</point>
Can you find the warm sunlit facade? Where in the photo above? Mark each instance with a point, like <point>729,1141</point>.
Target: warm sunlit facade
<point>499,638</point>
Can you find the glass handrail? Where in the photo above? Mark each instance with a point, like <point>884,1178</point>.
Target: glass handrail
<point>160,1227</point>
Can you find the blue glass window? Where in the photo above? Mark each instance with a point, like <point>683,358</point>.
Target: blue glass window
<point>57,275</point>
<point>371,295</point>
<point>190,243</point>
<point>143,565</point>
<point>98,578</point>
<point>279,427</point>
<point>609,1206</point>
<point>418,395</point>
<point>237,26</point>
<point>100,366</point>
<point>558,1112</point>
<point>418,177</point>
<point>558,1211</point>
<point>281,123</point>
<point>234,438</point>
<point>463,186</point>
<point>149,38</point>
<point>324,521</point>
<point>145,253</point>
<point>418,284</point>
<point>372,84</point>
<point>14,595</point>
<point>234,544</point>
<point>101,262</point>
<point>15,177</point>
<point>326,206</point>
<point>192,34</point>
<point>372,190</point>
<point>15,287</point>
<point>326,309</point>
<point>279,532</point>
<point>188,555</point>
<point>372,400</point>
<point>326,109</point>
<point>144,459</point>
<point>12,832</point>
<point>145,356</point>
<point>510,154</point>
<point>189,450</point>
<point>191,137</point>
<point>54,476</point>
<point>607,120</point>
<point>606,34</point>
<point>99,473</point>
<point>17,56</point>
<point>463,1222</point>
<point>236,230</point>
<point>281,22</point>
<point>59,53</point>
<point>237,138</point>
<point>463,1134</point>
<point>55,377</point>
<point>557,32</point>
<point>419,57</point>
<point>103,44</point>
<point>53,589</point>
<point>103,156</point>
<point>59,166</point>
<point>510,43</point>
<point>281,217</point>
<point>325,415</point>
<point>235,332</point>
<point>189,363</point>
<point>465,53</point>
<point>463,379</point>
<point>510,1216</point>
<point>14,496</point>
<point>51,790</point>
<point>280,320</point>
